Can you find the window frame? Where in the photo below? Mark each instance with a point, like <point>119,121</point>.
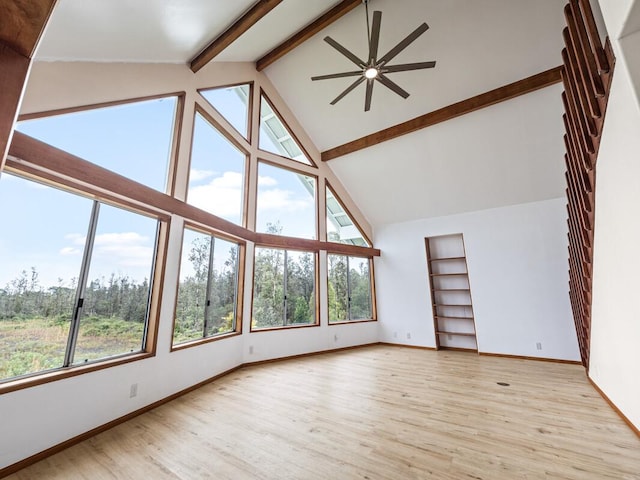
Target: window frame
<point>250,83</point>
<point>290,131</point>
<point>328,186</point>
<point>374,313</point>
<point>150,340</point>
<point>291,169</point>
<point>180,97</point>
<point>207,117</point>
<point>239,300</point>
<point>316,279</point>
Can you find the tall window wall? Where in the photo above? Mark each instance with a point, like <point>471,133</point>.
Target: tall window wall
<point>83,257</point>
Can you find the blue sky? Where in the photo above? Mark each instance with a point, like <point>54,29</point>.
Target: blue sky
<point>46,228</point>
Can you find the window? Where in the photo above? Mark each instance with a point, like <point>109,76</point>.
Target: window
<point>233,104</point>
<point>217,173</point>
<point>350,289</point>
<point>75,279</point>
<point>275,137</point>
<point>284,290</point>
<point>131,139</point>
<point>286,203</point>
<point>208,300</point>
<point>340,226</point>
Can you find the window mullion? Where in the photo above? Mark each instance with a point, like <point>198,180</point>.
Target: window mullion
<point>207,305</point>
<point>285,272</point>
<point>348,291</point>
<point>82,285</point>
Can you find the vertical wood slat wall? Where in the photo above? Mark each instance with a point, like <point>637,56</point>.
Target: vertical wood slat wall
<point>587,74</point>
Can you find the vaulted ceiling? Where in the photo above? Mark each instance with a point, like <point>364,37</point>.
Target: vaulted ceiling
<point>506,154</point>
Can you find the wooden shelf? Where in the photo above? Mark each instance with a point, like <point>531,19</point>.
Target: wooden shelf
<point>461,274</point>
<point>441,317</point>
<point>452,305</point>
<point>446,259</point>
<point>446,285</point>
<point>462,334</point>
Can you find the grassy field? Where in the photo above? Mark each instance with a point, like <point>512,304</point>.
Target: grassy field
<point>36,344</point>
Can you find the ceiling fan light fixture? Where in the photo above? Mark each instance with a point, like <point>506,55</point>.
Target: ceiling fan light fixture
<point>374,67</point>
<point>371,73</point>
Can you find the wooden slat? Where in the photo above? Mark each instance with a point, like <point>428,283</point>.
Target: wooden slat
<point>307,32</point>
<point>594,37</point>
<point>22,23</point>
<point>587,80</point>
<point>585,47</point>
<point>96,180</point>
<point>249,19</point>
<point>507,92</point>
<point>576,54</point>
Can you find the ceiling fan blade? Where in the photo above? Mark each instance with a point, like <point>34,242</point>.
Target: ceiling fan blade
<point>337,75</point>
<point>367,97</point>
<point>392,86</point>
<point>404,43</point>
<point>349,88</point>
<point>345,52</point>
<point>407,66</point>
<point>375,36</point>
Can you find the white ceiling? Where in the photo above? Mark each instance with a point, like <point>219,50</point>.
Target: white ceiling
<point>478,45</point>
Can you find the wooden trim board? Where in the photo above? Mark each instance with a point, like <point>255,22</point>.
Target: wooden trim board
<point>526,357</point>
<point>624,418</point>
<point>507,92</point>
<point>244,23</point>
<point>307,32</point>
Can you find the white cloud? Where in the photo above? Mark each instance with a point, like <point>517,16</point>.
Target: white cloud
<point>277,199</point>
<point>126,249</point>
<point>198,175</point>
<point>68,251</point>
<point>267,181</point>
<point>222,196</point>
<point>76,238</point>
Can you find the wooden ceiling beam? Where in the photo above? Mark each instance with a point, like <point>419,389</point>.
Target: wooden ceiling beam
<point>307,32</point>
<point>248,20</point>
<point>21,25</point>
<point>507,92</point>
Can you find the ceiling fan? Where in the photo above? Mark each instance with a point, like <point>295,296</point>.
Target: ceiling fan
<point>375,69</point>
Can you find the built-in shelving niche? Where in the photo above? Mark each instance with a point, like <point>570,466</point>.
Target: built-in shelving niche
<point>453,318</point>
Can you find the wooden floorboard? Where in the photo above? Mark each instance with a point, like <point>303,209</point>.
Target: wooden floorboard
<point>378,412</point>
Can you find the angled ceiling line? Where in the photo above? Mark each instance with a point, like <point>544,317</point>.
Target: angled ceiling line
<point>231,34</point>
<point>492,97</point>
<point>307,32</point>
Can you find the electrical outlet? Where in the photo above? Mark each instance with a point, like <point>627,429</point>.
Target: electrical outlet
<point>395,334</point>
<point>335,338</point>
<point>408,336</point>
<point>250,349</point>
<point>538,345</point>
<point>133,391</point>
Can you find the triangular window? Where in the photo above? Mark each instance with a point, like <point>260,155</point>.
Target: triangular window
<point>216,173</point>
<point>340,225</point>
<point>131,139</point>
<point>275,137</point>
<point>233,104</point>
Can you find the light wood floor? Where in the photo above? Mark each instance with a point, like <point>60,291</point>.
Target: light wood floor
<point>370,413</point>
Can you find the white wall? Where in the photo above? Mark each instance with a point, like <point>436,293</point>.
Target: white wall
<point>517,261</point>
<point>615,330</point>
